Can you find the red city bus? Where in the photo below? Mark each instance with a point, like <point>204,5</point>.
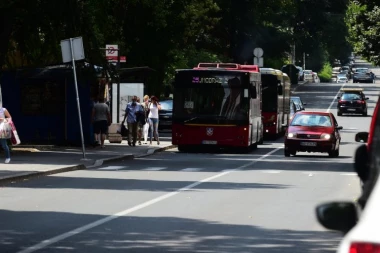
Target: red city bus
<point>275,101</point>
<point>216,107</point>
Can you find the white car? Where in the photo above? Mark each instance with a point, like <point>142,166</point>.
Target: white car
<point>360,221</point>
<point>342,79</point>
<point>308,75</point>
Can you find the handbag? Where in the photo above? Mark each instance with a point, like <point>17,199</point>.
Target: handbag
<point>5,130</point>
<point>122,130</point>
<point>15,139</point>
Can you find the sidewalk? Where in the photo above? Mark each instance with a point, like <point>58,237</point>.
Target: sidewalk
<point>34,161</point>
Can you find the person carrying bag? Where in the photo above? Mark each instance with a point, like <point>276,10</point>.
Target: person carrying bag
<point>5,132</point>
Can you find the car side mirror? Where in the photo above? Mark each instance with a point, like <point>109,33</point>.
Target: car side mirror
<point>339,128</point>
<point>337,97</point>
<point>338,216</point>
<point>362,137</point>
<point>361,163</point>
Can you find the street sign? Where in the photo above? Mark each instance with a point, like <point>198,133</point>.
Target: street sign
<point>78,51</point>
<point>259,61</point>
<point>114,58</point>
<point>112,50</point>
<point>258,52</point>
<point>72,50</point>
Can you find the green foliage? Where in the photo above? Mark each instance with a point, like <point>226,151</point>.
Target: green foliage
<point>326,73</point>
<point>168,35</point>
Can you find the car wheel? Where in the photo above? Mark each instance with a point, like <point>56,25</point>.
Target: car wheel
<point>286,153</point>
<point>334,153</point>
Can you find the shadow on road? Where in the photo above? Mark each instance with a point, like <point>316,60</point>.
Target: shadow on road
<point>155,234</point>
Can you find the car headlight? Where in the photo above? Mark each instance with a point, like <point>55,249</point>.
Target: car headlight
<point>292,135</point>
<point>326,136</point>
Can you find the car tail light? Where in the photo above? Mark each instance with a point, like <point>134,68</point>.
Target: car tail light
<point>361,247</point>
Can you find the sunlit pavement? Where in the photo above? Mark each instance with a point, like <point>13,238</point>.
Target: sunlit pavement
<point>176,202</point>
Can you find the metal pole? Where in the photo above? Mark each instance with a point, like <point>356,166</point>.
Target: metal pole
<point>118,87</point>
<point>304,61</point>
<point>77,93</point>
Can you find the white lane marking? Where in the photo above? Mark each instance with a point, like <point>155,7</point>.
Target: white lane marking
<point>155,168</point>
<point>271,171</point>
<point>349,174</point>
<point>113,168</point>
<point>192,169</point>
<point>336,95</point>
<point>50,241</point>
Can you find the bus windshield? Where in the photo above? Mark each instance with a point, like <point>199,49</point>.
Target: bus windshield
<point>219,99</point>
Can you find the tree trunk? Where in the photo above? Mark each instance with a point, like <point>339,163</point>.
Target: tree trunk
<point>6,19</point>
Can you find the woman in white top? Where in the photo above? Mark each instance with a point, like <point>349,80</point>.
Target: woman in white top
<point>5,117</point>
<point>154,107</point>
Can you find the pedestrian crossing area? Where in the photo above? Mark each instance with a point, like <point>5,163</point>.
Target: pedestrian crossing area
<point>191,169</point>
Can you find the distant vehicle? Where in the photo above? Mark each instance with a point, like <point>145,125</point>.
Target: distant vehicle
<point>300,73</point>
<point>165,114</point>
<point>363,75</point>
<point>352,100</point>
<point>313,132</point>
<point>217,106</point>
<point>308,75</point>
<point>316,78</point>
<point>359,220</point>
<point>294,108</point>
<point>342,79</point>
<point>275,100</point>
<point>298,102</point>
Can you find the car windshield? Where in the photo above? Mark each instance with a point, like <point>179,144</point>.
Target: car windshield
<point>351,96</point>
<point>166,105</point>
<point>311,120</point>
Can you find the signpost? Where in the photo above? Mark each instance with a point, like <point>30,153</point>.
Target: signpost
<point>258,59</point>
<point>112,52</point>
<point>72,50</point>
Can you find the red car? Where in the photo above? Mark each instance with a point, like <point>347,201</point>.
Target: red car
<point>313,132</point>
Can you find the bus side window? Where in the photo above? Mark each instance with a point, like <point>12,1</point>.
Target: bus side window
<point>253,90</point>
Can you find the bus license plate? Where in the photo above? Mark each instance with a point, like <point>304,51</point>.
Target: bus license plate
<point>309,144</point>
<point>210,142</point>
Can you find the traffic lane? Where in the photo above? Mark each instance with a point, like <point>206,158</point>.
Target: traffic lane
<point>279,217</point>
<point>70,200</point>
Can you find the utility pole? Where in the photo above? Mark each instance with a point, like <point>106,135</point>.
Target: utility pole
<point>304,61</point>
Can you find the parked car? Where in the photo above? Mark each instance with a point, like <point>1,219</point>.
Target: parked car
<point>352,100</point>
<point>294,108</point>
<point>359,221</point>
<point>300,73</point>
<point>313,132</point>
<point>165,114</point>
<point>298,102</point>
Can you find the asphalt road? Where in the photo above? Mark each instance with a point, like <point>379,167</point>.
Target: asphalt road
<point>175,202</point>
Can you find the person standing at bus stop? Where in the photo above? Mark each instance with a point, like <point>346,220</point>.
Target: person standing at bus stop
<point>131,113</point>
<point>5,134</point>
<point>101,119</point>
<point>154,107</point>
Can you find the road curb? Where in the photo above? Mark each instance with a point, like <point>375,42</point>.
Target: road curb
<point>29,175</point>
<point>97,163</point>
<point>157,150</point>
